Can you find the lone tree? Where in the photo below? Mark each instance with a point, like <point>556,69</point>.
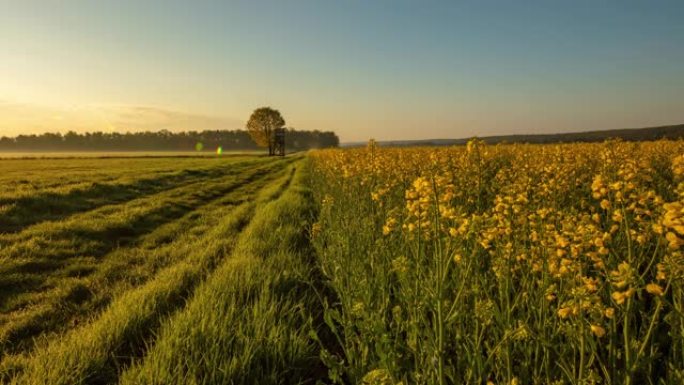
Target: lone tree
<point>262,126</point>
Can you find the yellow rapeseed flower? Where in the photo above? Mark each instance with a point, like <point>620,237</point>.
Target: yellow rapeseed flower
<point>617,216</point>
<point>598,330</point>
<point>564,312</point>
<point>618,297</point>
<point>655,289</point>
<point>673,240</point>
<point>609,312</point>
<point>621,296</point>
<point>605,204</point>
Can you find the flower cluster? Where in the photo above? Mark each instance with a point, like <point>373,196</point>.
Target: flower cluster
<point>572,244</point>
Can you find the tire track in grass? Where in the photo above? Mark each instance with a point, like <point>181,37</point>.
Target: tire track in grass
<point>78,295</point>
<point>93,354</point>
<point>22,181</point>
<point>45,252</point>
<point>94,233</point>
<point>251,321</point>
<point>50,206</point>
<point>81,295</point>
<point>148,246</point>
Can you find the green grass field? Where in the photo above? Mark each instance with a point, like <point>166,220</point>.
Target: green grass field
<point>156,270</point>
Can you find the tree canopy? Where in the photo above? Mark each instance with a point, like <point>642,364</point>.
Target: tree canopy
<point>262,125</point>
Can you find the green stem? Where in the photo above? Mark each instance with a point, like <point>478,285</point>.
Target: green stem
<point>651,325</point>
<point>625,334</point>
<point>581,363</point>
<point>648,334</point>
<point>439,260</point>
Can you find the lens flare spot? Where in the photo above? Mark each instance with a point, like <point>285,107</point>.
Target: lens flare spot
<point>219,150</point>
<point>199,146</point>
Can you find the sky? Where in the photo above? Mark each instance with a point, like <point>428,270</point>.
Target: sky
<point>388,70</point>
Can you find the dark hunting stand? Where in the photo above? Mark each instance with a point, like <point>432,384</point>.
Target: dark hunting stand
<point>278,142</point>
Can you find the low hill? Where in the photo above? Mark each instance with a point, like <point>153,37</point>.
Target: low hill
<point>629,134</point>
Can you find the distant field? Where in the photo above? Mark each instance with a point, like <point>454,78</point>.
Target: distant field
<point>124,154</point>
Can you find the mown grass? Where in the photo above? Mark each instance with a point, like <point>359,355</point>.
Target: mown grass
<point>251,321</point>
<point>95,352</point>
<point>211,279</point>
<point>39,299</point>
<point>34,191</point>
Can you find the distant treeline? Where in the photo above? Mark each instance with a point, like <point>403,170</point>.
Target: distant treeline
<point>161,141</point>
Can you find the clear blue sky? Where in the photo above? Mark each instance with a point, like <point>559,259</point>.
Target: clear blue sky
<point>381,69</point>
